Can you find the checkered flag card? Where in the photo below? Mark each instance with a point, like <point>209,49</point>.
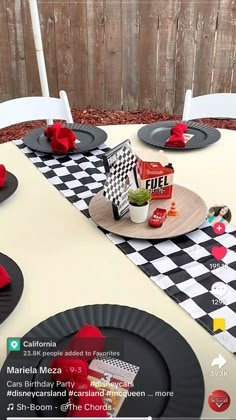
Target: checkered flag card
<point>121,176</point>
<point>117,177</point>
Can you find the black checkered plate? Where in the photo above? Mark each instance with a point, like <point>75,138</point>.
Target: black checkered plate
<point>89,138</point>
<point>167,362</point>
<point>9,187</point>
<point>11,294</point>
<point>158,133</point>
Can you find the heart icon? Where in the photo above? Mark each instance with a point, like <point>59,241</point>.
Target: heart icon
<point>219,252</point>
<point>3,175</point>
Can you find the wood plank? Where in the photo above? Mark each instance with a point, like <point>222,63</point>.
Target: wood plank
<point>205,42</point>
<point>225,46</point>
<point>165,83</point>
<point>33,82</point>
<point>47,20</point>
<point>78,12</point>
<point>63,40</point>
<point>189,218</point>
<point>6,86</point>
<point>96,62</point>
<point>17,47</point>
<point>148,54</point>
<point>185,54</point>
<point>130,54</point>
<point>233,86</point>
<point>113,68</point>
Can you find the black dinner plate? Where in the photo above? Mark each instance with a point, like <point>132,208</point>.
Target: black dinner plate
<point>89,136</point>
<point>158,133</point>
<point>11,294</point>
<point>9,187</point>
<point>167,363</point>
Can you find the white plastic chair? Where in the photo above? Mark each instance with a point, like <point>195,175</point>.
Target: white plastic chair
<point>215,105</point>
<point>35,108</point>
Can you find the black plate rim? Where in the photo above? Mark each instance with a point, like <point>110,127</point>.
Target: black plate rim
<point>145,325</point>
<point>144,134</point>
<point>31,138</point>
<point>9,188</point>
<point>15,289</point>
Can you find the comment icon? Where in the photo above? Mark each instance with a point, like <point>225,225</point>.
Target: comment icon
<point>219,289</point>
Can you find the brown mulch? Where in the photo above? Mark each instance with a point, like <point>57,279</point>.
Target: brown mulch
<point>107,117</point>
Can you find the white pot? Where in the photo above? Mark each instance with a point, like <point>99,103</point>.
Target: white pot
<point>138,214</point>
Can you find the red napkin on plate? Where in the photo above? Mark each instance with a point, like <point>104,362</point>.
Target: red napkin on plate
<point>177,138</point>
<point>62,138</point>
<point>5,279</point>
<point>3,175</point>
<point>52,130</point>
<point>73,371</point>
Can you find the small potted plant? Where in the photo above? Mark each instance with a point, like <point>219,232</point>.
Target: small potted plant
<point>139,204</point>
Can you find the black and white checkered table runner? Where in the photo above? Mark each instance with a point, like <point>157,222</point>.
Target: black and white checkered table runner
<point>182,267</point>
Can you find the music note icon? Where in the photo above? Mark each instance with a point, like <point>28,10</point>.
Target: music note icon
<point>10,407</point>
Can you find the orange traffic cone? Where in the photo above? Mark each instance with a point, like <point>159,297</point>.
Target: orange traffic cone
<point>173,211</point>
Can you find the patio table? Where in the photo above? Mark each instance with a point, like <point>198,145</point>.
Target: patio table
<point>67,262</point>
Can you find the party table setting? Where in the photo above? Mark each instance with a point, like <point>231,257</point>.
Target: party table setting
<point>11,277</point>
<point>77,185</point>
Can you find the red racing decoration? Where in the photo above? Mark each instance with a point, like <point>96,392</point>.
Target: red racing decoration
<point>155,174</point>
<point>158,218</point>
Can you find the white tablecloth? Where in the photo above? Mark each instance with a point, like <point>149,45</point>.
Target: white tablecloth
<point>53,243</point>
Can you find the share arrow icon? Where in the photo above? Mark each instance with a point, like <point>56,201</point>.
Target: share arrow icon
<point>219,361</point>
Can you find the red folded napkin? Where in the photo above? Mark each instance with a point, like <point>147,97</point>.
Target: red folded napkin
<point>62,138</point>
<point>5,279</point>
<point>3,175</point>
<point>74,372</point>
<point>52,130</point>
<point>177,138</point>
<point>63,141</point>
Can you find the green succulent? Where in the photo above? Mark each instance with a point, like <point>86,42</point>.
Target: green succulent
<point>139,197</point>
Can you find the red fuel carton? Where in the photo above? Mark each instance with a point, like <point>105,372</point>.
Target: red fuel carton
<point>155,173</point>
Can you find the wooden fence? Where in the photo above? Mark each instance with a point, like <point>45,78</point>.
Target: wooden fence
<point>121,54</point>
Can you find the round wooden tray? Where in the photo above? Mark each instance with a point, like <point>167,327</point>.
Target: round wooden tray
<point>192,212</point>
